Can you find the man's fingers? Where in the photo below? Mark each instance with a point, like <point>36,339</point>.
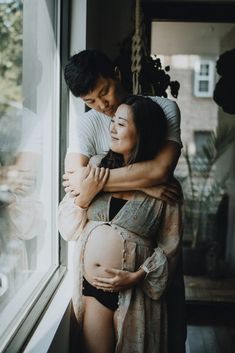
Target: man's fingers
<point>74,193</point>
<point>102,173</point>
<point>65,184</point>
<point>170,198</point>
<point>106,175</point>
<point>97,174</point>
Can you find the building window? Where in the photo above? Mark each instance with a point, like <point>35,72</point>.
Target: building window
<point>204,78</point>
<point>29,157</point>
<point>201,138</point>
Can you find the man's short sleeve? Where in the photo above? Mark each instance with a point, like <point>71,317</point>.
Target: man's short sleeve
<point>172,114</point>
<point>82,136</point>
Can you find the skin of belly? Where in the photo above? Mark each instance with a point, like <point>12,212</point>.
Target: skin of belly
<point>103,249</point>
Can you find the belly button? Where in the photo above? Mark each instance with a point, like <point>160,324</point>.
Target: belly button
<point>97,265</point>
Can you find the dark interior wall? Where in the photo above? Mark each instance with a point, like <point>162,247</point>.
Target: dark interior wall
<point>108,23</point>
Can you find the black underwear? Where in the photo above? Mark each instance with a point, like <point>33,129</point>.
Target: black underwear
<point>108,299</point>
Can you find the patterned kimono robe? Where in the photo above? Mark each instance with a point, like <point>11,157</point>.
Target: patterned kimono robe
<point>142,223</point>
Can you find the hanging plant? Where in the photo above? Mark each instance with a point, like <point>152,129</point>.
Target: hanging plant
<point>225,87</point>
<point>154,80</point>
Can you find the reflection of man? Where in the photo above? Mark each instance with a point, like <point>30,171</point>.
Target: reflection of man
<point>91,76</point>
<point>23,211</point>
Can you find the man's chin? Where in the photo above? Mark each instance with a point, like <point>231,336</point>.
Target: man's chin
<point>110,113</point>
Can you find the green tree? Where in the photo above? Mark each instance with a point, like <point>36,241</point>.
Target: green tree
<point>11,33</point>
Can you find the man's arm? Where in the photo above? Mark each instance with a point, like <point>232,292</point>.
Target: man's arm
<point>148,173</point>
<point>133,177</point>
<point>74,161</point>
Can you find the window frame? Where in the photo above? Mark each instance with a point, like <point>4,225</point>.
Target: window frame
<point>199,77</point>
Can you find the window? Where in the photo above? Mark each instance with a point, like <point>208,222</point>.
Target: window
<point>29,157</point>
<point>201,138</point>
<point>204,78</point>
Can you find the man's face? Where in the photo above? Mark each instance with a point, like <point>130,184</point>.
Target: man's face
<point>105,97</point>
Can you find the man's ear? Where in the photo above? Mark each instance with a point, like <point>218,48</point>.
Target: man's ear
<point>117,73</point>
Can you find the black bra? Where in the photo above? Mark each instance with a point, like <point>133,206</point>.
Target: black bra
<point>115,206</point>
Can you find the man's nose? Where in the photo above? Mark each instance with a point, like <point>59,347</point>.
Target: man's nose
<point>102,104</point>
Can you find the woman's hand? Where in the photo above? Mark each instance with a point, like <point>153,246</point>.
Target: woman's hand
<point>120,281</point>
<point>91,185</point>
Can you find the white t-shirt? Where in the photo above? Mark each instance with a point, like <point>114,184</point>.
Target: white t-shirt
<point>93,137</point>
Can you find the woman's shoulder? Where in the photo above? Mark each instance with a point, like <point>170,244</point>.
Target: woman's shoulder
<point>96,160</point>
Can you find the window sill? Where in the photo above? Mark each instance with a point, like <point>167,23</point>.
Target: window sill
<point>44,334</point>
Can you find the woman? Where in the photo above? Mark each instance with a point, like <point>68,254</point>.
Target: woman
<point>120,271</point>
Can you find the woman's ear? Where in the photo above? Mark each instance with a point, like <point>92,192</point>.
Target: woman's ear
<point>117,73</point>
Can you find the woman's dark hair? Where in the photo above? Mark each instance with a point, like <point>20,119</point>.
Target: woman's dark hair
<point>84,69</point>
<point>151,126</point>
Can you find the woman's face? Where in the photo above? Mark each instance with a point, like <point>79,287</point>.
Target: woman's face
<point>123,132</point>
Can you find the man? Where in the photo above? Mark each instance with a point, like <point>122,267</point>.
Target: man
<point>91,76</point>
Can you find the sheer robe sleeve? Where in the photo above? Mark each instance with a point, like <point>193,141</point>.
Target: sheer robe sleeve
<point>71,218</point>
<point>160,266</point>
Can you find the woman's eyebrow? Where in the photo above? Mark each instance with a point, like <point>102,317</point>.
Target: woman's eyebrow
<point>122,118</point>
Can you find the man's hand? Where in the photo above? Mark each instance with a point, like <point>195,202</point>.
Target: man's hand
<point>16,180</point>
<point>169,192</point>
<point>120,281</point>
<point>73,181</point>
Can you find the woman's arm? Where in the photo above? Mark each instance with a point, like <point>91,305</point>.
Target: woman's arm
<point>72,210</point>
<point>152,276</point>
<point>71,218</point>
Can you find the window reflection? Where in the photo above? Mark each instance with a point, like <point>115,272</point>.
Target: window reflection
<point>28,153</point>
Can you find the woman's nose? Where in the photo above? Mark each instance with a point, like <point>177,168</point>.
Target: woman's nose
<point>112,128</point>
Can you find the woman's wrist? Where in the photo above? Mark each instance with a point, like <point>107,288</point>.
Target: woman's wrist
<point>140,275</point>
<point>80,202</point>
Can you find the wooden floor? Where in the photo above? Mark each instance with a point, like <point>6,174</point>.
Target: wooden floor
<point>211,328</point>
<point>210,339</point>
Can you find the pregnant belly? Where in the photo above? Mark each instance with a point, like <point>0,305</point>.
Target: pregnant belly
<point>103,250</point>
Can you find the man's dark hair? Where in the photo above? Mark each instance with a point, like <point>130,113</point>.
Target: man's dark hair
<point>151,126</point>
<point>84,69</point>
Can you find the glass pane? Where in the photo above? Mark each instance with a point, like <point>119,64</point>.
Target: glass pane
<point>204,70</point>
<point>207,175</point>
<point>28,154</point>
<point>203,86</point>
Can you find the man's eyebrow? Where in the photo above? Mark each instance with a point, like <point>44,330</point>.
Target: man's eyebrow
<point>104,88</point>
<point>100,91</point>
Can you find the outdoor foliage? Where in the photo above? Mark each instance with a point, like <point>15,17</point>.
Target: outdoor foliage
<point>11,32</point>
<point>202,191</point>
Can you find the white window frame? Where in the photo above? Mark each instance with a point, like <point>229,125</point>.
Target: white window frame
<point>199,77</point>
